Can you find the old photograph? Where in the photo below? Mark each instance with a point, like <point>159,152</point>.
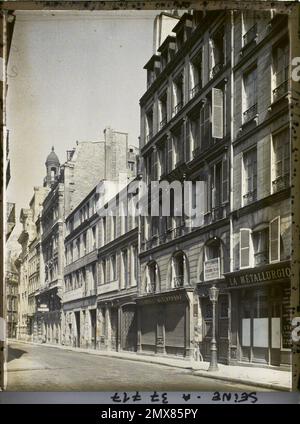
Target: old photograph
<point>148,200</point>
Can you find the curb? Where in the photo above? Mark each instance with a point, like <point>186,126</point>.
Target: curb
<point>148,360</point>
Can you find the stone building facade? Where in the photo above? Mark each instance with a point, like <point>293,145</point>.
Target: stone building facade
<point>185,136</point>
<point>101,267</point>
<point>11,285</point>
<point>217,110</point>
<point>259,281</point>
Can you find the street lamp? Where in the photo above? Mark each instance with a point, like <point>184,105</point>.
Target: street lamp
<point>213,296</point>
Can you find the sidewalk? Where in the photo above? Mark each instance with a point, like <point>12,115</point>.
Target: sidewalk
<point>270,378</point>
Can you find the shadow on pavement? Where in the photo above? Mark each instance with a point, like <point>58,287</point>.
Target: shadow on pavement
<point>14,353</point>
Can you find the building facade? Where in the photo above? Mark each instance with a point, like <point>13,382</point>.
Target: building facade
<point>11,284</point>
<point>185,136</point>
<point>69,184</point>
<point>259,281</point>
<point>217,110</point>
<point>101,266</point>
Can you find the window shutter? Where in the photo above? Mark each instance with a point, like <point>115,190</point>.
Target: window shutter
<point>225,180</point>
<point>274,242</point>
<point>217,113</point>
<point>245,248</point>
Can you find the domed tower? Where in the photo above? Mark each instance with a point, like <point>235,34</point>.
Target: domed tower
<point>52,169</point>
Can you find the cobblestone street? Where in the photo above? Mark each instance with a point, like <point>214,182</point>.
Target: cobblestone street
<point>44,368</point>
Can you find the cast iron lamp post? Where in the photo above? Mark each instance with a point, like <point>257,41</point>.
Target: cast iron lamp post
<point>213,296</point>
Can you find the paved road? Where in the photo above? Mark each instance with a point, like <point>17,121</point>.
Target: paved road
<point>44,368</point>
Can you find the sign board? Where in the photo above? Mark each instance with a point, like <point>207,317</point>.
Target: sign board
<point>212,269</point>
<point>269,274</point>
<point>44,309</point>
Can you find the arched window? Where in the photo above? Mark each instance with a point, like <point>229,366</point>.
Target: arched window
<point>212,259</point>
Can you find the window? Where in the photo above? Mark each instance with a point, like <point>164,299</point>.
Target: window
<point>281,160</point>
<point>170,160</point>
<point>84,243</point>
<point>250,95</point>
<point>78,248</point>
<point>163,110</point>
<point>94,275</point>
<point>103,271</point>
<point>124,275</point>
<point>249,29</point>
<point>94,238</point>
<point>162,159</point>
<point>178,144</point>
<point>274,240</point>
<point>104,231</point>
<point>217,50</point>
<point>113,227</point>
<point>149,124</point>
<point>177,94</point>
<point>261,246</point>
<point>194,137</point>
<point>217,113</point>
<point>134,264</point>
<point>280,70</point>
<point>196,74</point>
<point>205,128</point>
<point>113,268</point>
<point>246,250</point>
<point>249,176</point>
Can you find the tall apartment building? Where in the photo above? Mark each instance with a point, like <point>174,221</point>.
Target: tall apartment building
<point>216,110</point>
<point>86,165</point>
<point>28,264</point>
<point>259,281</point>
<point>11,284</point>
<point>185,136</point>
<point>100,281</point>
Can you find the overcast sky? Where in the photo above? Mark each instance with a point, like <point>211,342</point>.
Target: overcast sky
<point>70,75</point>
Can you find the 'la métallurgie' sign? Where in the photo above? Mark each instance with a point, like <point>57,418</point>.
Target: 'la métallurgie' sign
<point>258,277</point>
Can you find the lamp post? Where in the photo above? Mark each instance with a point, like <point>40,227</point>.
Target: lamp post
<point>213,296</point>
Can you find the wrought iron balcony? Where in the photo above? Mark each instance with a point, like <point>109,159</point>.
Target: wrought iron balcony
<point>250,113</point>
<point>177,108</point>
<point>178,281</point>
<point>250,197</point>
<point>281,182</point>
<point>261,258</point>
<point>250,35</point>
<point>281,90</point>
<point>149,136</point>
<point>195,90</point>
<point>163,122</point>
<point>216,69</point>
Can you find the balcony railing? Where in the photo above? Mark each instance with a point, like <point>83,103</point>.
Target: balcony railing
<point>177,108</point>
<point>178,281</point>
<point>163,122</point>
<point>250,113</point>
<point>149,136</point>
<point>195,90</point>
<point>281,90</point>
<point>250,35</point>
<point>216,69</point>
<point>281,182</point>
<point>250,197</point>
<point>261,258</point>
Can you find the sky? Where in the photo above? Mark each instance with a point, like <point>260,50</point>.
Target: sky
<point>70,74</point>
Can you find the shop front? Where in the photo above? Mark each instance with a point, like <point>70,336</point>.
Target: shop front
<point>260,315</point>
<point>117,324</point>
<point>164,323</point>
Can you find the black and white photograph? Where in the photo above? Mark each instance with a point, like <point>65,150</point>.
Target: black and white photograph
<point>148,197</point>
